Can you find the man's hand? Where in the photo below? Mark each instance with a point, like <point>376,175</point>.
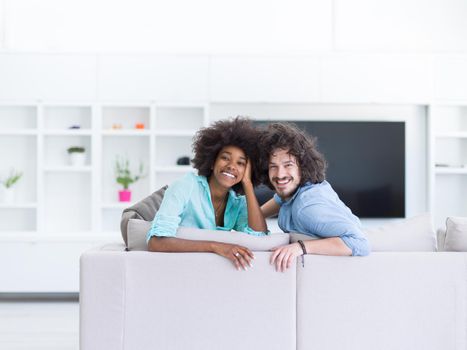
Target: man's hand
<point>284,256</point>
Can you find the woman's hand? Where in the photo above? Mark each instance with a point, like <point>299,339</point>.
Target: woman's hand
<point>246,179</point>
<point>240,256</point>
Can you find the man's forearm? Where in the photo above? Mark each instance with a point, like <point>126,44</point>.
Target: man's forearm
<point>327,246</point>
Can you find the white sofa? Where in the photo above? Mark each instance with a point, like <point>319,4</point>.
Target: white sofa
<point>136,300</point>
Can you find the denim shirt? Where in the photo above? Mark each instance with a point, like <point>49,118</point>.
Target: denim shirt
<point>187,202</point>
<point>316,210</point>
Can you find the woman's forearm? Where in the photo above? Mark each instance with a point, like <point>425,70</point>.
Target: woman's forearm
<point>173,245</point>
<point>256,219</point>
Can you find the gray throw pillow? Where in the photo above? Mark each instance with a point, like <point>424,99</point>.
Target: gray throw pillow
<point>145,209</point>
<point>138,229</point>
<point>456,234</point>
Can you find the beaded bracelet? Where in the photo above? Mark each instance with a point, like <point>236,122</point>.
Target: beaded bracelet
<point>304,251</point>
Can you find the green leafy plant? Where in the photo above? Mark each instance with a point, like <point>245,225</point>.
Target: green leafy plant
<point>12,179</point>
<point>123,172</point>
<point>76,149</point>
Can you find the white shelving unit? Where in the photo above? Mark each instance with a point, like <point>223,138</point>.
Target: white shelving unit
<point>448,165</point>
<point>59,207</point>
<point>70,202</point>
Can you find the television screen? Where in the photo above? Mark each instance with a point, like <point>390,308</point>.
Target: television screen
<point>366,165</point>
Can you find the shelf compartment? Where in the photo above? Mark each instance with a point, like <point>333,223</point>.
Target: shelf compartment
<point>18,132</point>
<point>56,149</point>
<point>169,149</point>
<point>69,132</point>
<point>126,117</point>
<point>68,197</point>
<point>179,118</point>
<point>454,134</point>
<point>17,118</point>
<point>19,219</point>
<point>63,117</point>
<point>18,205</point>
<point>450,197</point>
<point>449,119</point>
<point>19,153</point>
<point>176,169</point>
<point>69,169</point>
<point>111,219</point>
<point>451,170</point>
<point>122,132</point>
<point>136,150</point>
<point>451,152</point>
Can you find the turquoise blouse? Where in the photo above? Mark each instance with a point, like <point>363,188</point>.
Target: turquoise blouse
<point>187,202</point>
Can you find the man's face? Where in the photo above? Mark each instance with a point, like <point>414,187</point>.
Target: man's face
<point>284,173</point>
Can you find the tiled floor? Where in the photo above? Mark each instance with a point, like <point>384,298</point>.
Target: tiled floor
<point>41,325</point>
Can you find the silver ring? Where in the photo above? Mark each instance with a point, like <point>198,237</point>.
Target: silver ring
<point>236,254</point>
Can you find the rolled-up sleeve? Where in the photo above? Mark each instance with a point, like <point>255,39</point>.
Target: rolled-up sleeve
<point>167,219</point>
<point>325,223</point>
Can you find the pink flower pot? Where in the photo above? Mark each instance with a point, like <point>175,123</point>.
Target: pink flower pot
<point>124,196</point>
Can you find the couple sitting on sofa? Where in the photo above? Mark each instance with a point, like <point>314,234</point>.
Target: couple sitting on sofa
<point>232,156</point>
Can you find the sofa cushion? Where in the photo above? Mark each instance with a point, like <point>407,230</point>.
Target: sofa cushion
<point>456,234</point>
<point>137,230</point>
<point>414,234</point>
<point>145,209</point>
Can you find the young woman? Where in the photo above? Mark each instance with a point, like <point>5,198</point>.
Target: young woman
<point>225,156</point>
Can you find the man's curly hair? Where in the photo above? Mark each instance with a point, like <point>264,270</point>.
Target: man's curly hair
<point>288,136</point>
<point>238,132</point>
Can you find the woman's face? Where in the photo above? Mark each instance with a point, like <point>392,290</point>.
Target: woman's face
<point>229,167</point>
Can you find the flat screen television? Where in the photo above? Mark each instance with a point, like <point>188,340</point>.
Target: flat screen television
<point>366,164</point>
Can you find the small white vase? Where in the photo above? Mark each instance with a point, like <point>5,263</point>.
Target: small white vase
<point>77,159</point>
<point>7,195</point>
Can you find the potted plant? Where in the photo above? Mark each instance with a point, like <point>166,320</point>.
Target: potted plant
<point>125,178</point>
<point>8,188</point>
<point>77,155</point>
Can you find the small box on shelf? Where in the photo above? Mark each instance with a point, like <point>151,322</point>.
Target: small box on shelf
<point>126,118</point>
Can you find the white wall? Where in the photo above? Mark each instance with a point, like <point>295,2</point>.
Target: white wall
<point>242,26</point>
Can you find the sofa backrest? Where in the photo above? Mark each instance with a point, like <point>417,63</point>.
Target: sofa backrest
<point>137,230</point>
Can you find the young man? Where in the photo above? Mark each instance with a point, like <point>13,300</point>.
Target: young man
<point>305,201</point>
